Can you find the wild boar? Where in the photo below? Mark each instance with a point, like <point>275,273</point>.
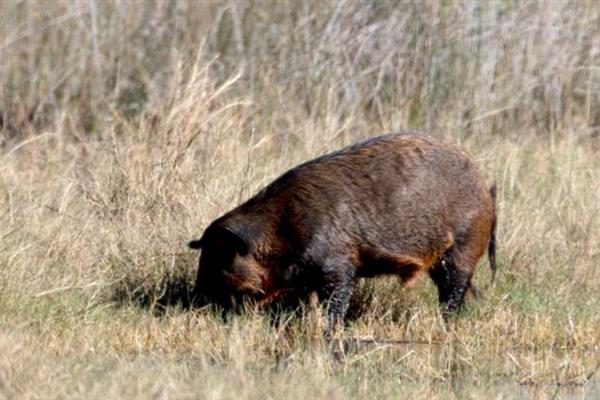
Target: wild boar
<point>399,204</point>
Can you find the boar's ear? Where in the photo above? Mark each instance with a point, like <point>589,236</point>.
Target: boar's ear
<point>196,244</point>
<point>240,236</point>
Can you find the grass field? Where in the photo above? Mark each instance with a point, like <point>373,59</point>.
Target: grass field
<point>125,128</point>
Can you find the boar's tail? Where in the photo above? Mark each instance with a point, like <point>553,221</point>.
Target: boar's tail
<point>492,241</point>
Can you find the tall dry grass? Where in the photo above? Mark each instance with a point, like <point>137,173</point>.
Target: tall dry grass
<point>71,66</point>
<point>128,126</point>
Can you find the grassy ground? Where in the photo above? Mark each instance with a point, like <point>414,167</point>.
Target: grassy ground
<point>126,128</point>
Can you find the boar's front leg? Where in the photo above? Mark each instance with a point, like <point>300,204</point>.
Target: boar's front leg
<point>337,290</point>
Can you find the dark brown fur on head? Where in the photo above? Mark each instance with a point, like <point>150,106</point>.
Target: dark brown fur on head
<point>399,204</point>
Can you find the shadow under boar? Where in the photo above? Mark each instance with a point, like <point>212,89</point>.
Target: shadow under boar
<point>399,204</point>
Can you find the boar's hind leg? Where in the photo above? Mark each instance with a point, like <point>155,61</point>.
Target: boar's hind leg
<point>452,280</point>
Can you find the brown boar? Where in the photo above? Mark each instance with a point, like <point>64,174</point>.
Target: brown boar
<point>399,204</point>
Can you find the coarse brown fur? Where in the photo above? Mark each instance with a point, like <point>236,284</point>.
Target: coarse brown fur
<point>399,204</point>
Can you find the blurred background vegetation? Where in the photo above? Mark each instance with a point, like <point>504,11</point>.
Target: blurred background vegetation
<point>502,67</point>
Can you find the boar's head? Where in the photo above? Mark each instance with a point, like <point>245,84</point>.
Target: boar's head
<point>228,272</point>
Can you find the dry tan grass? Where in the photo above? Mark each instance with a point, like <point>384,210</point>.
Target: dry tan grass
<point>121,142</point>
